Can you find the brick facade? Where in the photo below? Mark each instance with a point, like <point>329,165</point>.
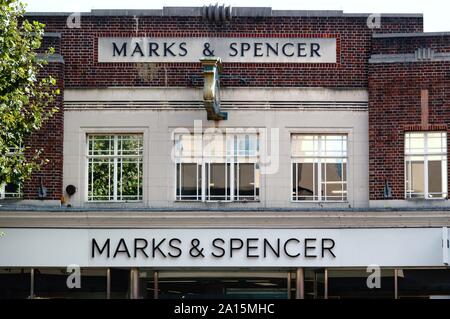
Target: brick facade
<point>395,106</point>
<point>50,139</point>
<point>82,69</point>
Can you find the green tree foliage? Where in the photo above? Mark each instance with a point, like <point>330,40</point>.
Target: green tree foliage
<point>25,99</point>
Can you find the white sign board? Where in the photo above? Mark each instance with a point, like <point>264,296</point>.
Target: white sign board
<point>221,247</point>
<point>240,50</point>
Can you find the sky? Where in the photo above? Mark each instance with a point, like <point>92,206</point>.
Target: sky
<point>436,12</point>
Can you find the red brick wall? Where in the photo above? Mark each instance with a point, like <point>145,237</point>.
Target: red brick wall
<point>82,69</point>
<point>395,107</point>
<point>50,139</point>
<point>409,44</point>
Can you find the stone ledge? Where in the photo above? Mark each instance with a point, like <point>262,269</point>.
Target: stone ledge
<point>232,219</point>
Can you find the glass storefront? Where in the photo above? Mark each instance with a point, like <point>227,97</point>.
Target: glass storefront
<point>219,284</point>
<point>52,283</point>
<point>120,283</point>
<point>15,283</point>
<point>424,283</point>
<point>310,283</point>
<point>352,283</point>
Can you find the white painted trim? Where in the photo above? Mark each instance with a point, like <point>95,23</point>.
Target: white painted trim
<point>227,94</point>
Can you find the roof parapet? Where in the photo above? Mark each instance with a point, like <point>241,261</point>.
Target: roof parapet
<point>236,12</point>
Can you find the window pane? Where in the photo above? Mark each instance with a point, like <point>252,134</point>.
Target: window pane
<point>437,143</point>
<point>129,179</point>
<point>214,145</point>
<point>12,190</point>
<point>246,145</point>
<point>435,179</point>
<point>304,145</point>
<point>333,178</point>
<point>305,181</point>
<point>188,145</point>
<point>219,184</point>
<point>129,145</point>
<point>334,145</point>
<point>101,179</point>
<point>187,181</point>
<point>101,145</point>
<point>415,174</point>
<point>246,175</point>
<point>415,143</point>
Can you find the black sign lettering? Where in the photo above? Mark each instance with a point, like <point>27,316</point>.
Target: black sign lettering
<point>217,243</point>
<point>140,248</point>
<point>174,244</point>
<point>258,49</point>
<point>301,48</point>
<point>315,47</point>
<point>233,48</point>
<point>122,49</point>
<point>250,247</point>
<point>183,50</point>
<point>308,247</point>
<point>285,247</point>
<point>244,47</point>
<point>156,248</point>
<point>137,48</point>
<point>284,49</point>
<point>272,49</point>
<point>329,247</point>
<point>275,251</point>
<point>100,251</point>
<point>167,49</point>
<point>234,247</point>
<point>120,249</point>
<point>153,49</point>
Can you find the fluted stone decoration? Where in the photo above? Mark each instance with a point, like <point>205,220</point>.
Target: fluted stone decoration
<point>212,68</point>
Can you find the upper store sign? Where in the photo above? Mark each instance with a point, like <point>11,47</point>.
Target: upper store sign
<point>240,50</point>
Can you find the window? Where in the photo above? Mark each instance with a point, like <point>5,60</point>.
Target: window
<point>115,167</point>
<point>217,167</point>
<point>319,167</point>
<point>426,165</point>
<point>13,189</point>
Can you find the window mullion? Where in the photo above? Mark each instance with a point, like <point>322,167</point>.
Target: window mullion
<point>205,179</point>
<point>319,168</point>
<point>115,170</point>
<point>233,173</point>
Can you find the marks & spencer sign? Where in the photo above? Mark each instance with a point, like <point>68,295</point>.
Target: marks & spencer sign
<point>58,247</point>
<point>241,50</point>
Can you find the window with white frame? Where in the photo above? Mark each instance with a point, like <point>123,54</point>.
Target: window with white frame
<point>319,167</point>
<point>114,167</point>
<point>217,167</point>
<point>426,165</point>
<point>13,189</point>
